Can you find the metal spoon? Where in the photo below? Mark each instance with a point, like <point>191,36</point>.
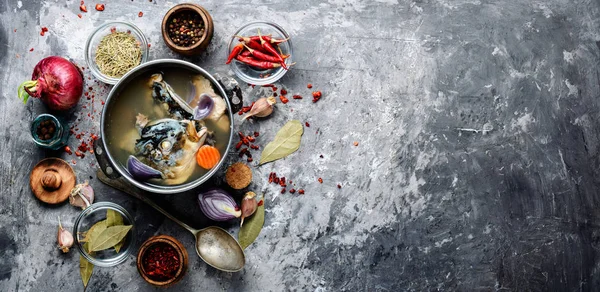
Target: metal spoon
<point>214,245</point>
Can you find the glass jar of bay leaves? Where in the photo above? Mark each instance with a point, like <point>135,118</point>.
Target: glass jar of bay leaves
<point>91,227</point>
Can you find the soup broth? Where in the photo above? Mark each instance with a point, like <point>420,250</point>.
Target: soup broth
<point>136,98</point>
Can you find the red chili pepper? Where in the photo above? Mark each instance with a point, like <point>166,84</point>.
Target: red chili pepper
<point>283,92</point>
<point>269,48</point>
<point>320,180</point>
<point>283,99</point>
<point>238,145</point>
<point>255,45</point>
<point>309,86</point>
<point>245,54</point>
<point>297,96</point>
<point>250,138</point>
<point>256,134</point>
<point>257,63</point>
<point>83,8</point>
<point>301,191</point>
<point>292,191</point>
<point>283,191</point>
<point>236,51</point>
<point>307,124</point>
<point>100,7</point>
<point>68,150</point>
<point>44,30</point>
<point>140,14</point>
<point>249,159</point>
<point>262,56</point>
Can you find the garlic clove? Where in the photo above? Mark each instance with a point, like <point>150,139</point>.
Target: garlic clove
<point>249,205</point>
<point>82,195</point>
<point>262,107</point>
<point>64,238</point>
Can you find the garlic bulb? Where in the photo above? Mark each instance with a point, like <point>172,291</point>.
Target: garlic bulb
<point>82,195</point>
<point>65,238</point>
<point>262,107</point>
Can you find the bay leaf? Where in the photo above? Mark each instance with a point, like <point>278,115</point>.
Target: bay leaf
<point>85,268</point>
<point>252,227</point>
<point>286,141</point>
<point>109,237</point>
<point>114,218</point>
<point>94,231</point>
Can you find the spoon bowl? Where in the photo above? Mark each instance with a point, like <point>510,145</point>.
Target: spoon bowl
<point>214,246</point>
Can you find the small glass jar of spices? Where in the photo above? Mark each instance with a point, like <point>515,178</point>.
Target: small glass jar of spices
<point>48,132</point>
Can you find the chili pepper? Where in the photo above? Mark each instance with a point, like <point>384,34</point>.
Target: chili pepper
<point>256,134</point>
<point>320,180</point>
<point>301,191</point>
<point>283,191</point>
<point>258,63</point>
<point>255,147</point>
<point>267,38</point>
<point>283,91</point>
<point>297,96</point>
<point>249,159</point>
<point>243,151</point>
<point>262,56</point>
<point>83,8</point>
<point>339,186</point>
<point>270,177</point>
<point>238,145</point>
<point>309,86</point>
<point>236,51</point>
<point>100,7</point>
<point>255,45</point>
<point>283,99</point>
<point>307,124</point>
<point>292,191</point>
<point>276,180</point>
<point>269,48</point>
<point>241,135</point>
<point>245,54</point>
<point>161,262</point>
<point>68,150</point>
<point>250,138</point>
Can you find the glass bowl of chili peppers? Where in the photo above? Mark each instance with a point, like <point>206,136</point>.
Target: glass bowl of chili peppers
<point>114,49</point>
<point>104,234</point>
<point>260,53</point>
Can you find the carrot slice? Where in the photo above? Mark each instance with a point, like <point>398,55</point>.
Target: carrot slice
<point>208,156</point>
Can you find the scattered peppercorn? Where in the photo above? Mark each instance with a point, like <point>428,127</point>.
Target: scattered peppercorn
<point>339,186</point>
<point>186,29</point>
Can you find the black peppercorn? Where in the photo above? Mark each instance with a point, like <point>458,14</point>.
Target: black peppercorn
<point>186,28</point>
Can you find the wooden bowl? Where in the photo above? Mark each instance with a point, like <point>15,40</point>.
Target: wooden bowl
<point>179,248</point>
<point>199,46</point>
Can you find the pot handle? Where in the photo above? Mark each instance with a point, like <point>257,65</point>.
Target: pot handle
<point>102,157</point>
<point>233,91</point>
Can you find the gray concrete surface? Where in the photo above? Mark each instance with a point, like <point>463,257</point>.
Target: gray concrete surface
<point>477,168</point>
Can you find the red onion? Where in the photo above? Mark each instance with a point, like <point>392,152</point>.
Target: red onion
<point>218,205</point>
<point>56,81</point>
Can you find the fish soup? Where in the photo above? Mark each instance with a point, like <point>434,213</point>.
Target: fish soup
<point>157,123</point>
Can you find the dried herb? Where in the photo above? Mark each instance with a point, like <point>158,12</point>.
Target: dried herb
<point>109,237</point>
<point>94,231</point>
<point>117,53</point>
<point>85,268</point>
<point>286,142</point>
<point>113,218</point>
<point>252,227</point>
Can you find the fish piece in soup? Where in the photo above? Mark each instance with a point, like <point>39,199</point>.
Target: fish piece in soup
<point>163,94</point>
<point>169,146</point>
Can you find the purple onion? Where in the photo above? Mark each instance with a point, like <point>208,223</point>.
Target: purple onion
<point>204,107</point>
<point>218,205</point>
<point>141,171</point>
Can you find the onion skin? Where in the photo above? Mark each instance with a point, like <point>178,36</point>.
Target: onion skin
<point>56,81</point>
<point>218,205</point>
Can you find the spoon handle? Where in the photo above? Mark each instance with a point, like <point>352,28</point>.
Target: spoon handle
<point>122,185</point>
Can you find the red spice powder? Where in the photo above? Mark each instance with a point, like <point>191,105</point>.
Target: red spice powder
<point>161,262</point>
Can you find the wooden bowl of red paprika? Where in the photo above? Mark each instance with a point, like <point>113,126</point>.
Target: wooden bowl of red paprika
<point>187,29</point>
<point>162,260</point>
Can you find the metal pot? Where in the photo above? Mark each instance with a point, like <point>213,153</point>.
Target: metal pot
<point>114,169</point>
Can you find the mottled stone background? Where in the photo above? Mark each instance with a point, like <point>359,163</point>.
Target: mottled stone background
<point>477,166</point>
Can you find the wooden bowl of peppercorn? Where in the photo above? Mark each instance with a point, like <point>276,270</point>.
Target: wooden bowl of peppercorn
<point>162,260</point>
<point>187,29</point>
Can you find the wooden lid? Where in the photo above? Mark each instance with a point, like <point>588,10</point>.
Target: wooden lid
<point>52,180</point>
